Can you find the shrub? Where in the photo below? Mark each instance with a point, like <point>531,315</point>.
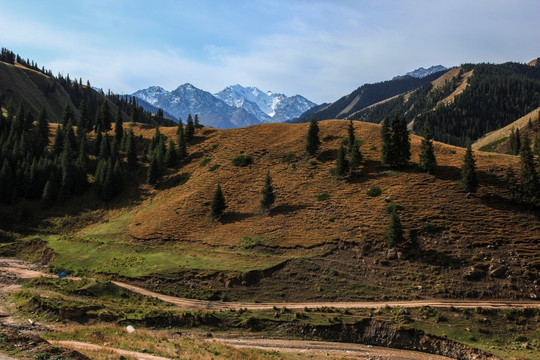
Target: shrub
<point>205,161</point>
<point>288,158</point>
<point>242,160</point>
<point>247,242</point>
<point>393,207</point>
<point>214,167</point>
<point>374,191</point>
<point>323,196</point>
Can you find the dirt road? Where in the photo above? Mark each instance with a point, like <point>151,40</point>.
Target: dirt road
<point>25,270</point>
<point>77,345</point>
<point>329,349</point>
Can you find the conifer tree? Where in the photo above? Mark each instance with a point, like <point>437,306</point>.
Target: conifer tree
<point>69,136</point>
<point>67,172</point>
<point>313,142</point>
<point>106,116</point>
<point>104,148</point>
<point>190,130</point>
<point>99,139</point>
<point>155,140</point>
<point>355,156</point>
<point>182,149</point>
<point>512,185</point>
<point>84,118</point>
<point>196,122</point>
<point>153,172</point>
<point>118,127</point>
<point>42,131</point>
<point>67,114</point>
<point>386,142</point>
<point>400,151</point>
<point>7,181</point>
<point>530,186</point>
<point>351,137</point>
<point>58,143</point>
<point>268,195</point>
<point>342,165</point>
<point>427,160</point>
<point>394,233</point>
<point>537,144</point>
<point>218,205</point>
<point>131,151</point>
<point>171,155</point>
<point>468,181</point>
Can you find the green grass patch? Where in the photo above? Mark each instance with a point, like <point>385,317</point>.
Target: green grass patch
<point>323,196</point>
<point>288,158</point>
<point>374,191</point>
<point>492,146</point>
<point>205,161</point>
<point>247,242</point>
<point>114,229</point>
<point>242,160</point>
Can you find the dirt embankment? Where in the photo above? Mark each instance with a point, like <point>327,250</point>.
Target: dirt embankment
<point>368,331</point>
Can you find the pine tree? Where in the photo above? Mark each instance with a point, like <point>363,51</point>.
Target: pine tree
<point>104,148</point>
<point>7,181</point>
<point>118,127</point>
<point>427,159</point>
<point>171,156</point>
<point>131,151</point>
<point>196,122</point>
<point>355,156</point>
<point>468,181</point>
<point>153,173</point>
<point>182,149</point>
<point>313,142</point>
<point>42,131</point>
<point>190,130</point>
<point>537,144</point>
<point>218,206</point>
<point>97,142</point>
<point>400,148</point>
<point>342,165</point>
<point>394,233</point>
<point>386,142</point>
<point>268,195</point>
<point>84,118</point>
<point>530,186</point>
<point>350,138</point>
<point>106,116</point>
<point>58,143</point>
<point>67,114</point>
<point>512,185</point>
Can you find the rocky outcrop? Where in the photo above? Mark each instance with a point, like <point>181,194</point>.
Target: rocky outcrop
<point>378,333</point>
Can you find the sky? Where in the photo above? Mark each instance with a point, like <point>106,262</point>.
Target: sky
<point>319,49</point>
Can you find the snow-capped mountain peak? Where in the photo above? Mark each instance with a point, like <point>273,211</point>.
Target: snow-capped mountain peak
<point>421,72</point>
<point>267,106</point>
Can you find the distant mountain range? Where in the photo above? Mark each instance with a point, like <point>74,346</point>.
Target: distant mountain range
<point>234,106</point>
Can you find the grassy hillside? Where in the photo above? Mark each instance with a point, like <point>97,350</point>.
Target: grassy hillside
<point>311,245</point>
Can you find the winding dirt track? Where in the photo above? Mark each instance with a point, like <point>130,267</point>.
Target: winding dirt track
<point>77,345</point>
<point>22,270</point>
<point>329,348</point>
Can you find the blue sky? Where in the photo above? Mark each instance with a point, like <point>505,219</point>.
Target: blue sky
<point>319,49</point>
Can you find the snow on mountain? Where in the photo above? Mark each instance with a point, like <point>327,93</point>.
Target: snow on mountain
<point>235,106</point>
<point>421,72</point>
<point>266,106</point>
<point>188,99</point>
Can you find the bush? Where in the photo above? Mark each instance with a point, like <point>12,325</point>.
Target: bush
<point>214,167</point>
<point>288,158</point>
<point>374,191</point>
<point>242,160</point>
<point>205,161</point>
<point>393,207</point>
<point>323,196</point>
<point>248,242</point>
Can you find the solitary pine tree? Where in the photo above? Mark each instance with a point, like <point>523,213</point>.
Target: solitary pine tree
<point>218,206</point>
<point>400,148</point>
<point>268,195</point>
<point>342,165</point>
<point>468,181</point>
<point>394,234</point>
<point>313,141</point>
<point>196,122</point>
<point>427,155</point>
<point>355,156</point>
<point>386,142</point>
<point>350,138</point>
